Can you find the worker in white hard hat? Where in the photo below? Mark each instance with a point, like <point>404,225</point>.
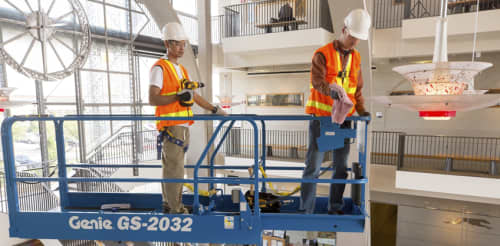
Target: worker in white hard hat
<point>172,98</point>
<point>337,62</point>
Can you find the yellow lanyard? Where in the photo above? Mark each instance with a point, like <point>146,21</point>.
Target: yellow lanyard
<point>343,73</point>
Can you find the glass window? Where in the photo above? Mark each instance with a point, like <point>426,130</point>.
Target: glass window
<point>98,88</point>
<point>27,153</point>
<point>294,99</point>
<point>118,57</point>
<point>62,91</point>
<point>117,20</point>
<point>71,139</point>
<point>145,65</point>
<point>95,14</point>
<point>94,87</point>
<point>119,124</point>
<point>121,3</point>
<point>186,6</point>
<point>97,56</point>
<point>120,88</point>
<point>96,131</point>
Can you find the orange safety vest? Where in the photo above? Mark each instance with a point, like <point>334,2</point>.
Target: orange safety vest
<point>171,85</point>
<point>321,105</point>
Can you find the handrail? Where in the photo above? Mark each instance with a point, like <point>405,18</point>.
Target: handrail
<point>256,18</point>
<point>471,155</point>
<point>388,14</point>
<point>64,180</point>
<point>106,141</point>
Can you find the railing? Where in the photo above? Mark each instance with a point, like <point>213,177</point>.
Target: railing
<point>33,196</point>
<point>385,147</point>
<point>78,242</point>
<point>217,28</point>
<point>263,17</point>
<point>118,149</point>
<point>476,155</point>
<point>391,13</point>
<point>79,202</point>
<point>281,144</point>
<point>94,186</point>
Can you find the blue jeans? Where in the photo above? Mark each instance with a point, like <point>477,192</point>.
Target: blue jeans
<point>314,158</point>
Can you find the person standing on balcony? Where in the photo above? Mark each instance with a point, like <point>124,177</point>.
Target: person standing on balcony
<point>286,15</point>
<point>337,62</point>
<point>165,93</point>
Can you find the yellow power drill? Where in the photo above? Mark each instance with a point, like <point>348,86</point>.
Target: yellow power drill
<point>188,86</point>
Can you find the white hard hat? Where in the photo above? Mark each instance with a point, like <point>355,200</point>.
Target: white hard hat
<point>358,23</point>
<point>174,31</point>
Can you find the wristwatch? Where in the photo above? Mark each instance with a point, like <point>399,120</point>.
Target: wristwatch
<point>214,111</point>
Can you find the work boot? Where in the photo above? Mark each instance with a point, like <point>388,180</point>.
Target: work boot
<point>183,210</point>
<point>165,209</point>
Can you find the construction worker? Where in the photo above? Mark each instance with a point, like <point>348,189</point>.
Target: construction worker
<point>337,62</point>
<point>167,77</point>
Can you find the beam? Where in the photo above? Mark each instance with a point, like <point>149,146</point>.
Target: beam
<point>338,11</point>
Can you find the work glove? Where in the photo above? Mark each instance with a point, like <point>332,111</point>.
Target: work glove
<point>219,111</point>
<point>185,95</point>
<point>334,95</point>
<point>365,114</point>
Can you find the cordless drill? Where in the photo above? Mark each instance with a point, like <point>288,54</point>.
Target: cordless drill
<point>186,91</point>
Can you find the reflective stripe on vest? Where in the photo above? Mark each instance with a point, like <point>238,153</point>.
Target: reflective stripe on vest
<point>172,68</point>
<point>321,105</point>
<point>318,105</point>
<point>174,109</point>
<point>347,81</point>
<point>184,113</point>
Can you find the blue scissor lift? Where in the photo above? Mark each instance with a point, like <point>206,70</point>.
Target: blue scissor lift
<point>215,219</point>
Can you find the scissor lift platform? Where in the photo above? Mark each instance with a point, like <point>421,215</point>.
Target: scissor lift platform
<point>215,219</point>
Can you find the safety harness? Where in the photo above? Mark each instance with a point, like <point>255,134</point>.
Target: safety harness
<point>171,138</point>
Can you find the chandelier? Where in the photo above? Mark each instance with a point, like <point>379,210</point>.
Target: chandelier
<point>441,88</point>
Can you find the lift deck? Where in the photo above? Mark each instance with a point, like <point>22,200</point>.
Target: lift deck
<point>215,219</point>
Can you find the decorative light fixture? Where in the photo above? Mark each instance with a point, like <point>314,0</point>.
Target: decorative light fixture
<point>437,115</point>
<point>6,103</point>
<point>442,88</point>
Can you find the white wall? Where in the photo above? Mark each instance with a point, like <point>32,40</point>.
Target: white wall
<point>266,84</point>
<point>282,48</point>
<point>282,40</point>
<point>388,43</point>
<point>422,227</point>
<point>450,184</point>
<point>383,179</point>
<point>458,24</point>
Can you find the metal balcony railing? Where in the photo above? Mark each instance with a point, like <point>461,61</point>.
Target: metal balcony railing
<point>33,196</point>
<point>391,13</point>
<point>217,28</point>
<point>472,155</point>
<point>263,17</point>
<point>281,144</point>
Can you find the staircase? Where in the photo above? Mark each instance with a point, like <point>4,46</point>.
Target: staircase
<point>116,149</point>
<point>30,243</point>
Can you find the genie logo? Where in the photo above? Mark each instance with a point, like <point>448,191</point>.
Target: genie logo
<point>89,224</point>
<point>134,223</point>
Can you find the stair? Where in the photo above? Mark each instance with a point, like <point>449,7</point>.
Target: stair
<point>33,242</point>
